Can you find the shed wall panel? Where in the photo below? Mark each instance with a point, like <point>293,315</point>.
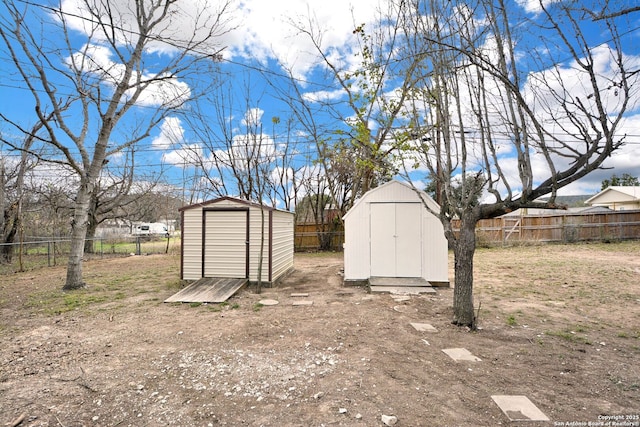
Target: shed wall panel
<point>283,244</point>
<point>357,255</point>
<point>255,241</point>
<point>192,244</point>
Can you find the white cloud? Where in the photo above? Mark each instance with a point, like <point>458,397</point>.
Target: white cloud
<point>252,117</point>
<point>187,155</point>
<point>189,22</point>
<point>171,134</point>
<point>323,95</point>
<point>535,6</point>
<point>160,90</point>
<point>163,91</point>
<point>272,30</point>
<point>249,29</point>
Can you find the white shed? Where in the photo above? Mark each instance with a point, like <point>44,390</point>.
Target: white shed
<point>390,233</point>
<point>221,238</point>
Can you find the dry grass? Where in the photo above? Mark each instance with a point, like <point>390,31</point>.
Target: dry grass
<point>559,324</point>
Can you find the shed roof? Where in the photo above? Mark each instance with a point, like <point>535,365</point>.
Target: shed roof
<point>616,194</point>
<point>232,199</point>
<point>419,193</point>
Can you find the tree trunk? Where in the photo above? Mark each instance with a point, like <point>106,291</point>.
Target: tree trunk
<point>6,251</point>
<point>78,234</point>
<point>92,226</point>
<point>10,228</point>
<point>463,250</point>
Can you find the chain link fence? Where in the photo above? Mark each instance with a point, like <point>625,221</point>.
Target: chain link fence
<point>40,252</point>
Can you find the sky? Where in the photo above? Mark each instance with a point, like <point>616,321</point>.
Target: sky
<point>264,35</point>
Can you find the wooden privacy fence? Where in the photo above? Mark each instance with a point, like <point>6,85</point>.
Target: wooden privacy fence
<point>567,227</point>
<point>308,238</point>
<point>552,227</point>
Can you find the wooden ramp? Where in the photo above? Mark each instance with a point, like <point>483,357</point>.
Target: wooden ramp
<point>209,289</point>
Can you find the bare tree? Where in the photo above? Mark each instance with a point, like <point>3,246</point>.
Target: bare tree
<point>113,78</point>
<point>497,132</point>
<point>120,194</point>
<point>229,147</point>
<point>290,170</point>
<point>13,171</point>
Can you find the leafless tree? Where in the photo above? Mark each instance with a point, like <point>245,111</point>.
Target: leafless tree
<point>13,174</point>
<point>233,139</point>
<point>498,131</point>
<point>120,194</point>
<point>113,77</point>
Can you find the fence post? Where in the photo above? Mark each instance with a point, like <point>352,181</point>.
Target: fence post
<point>49,253</point>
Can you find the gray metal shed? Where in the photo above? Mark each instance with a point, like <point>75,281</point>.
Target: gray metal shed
<point>221,238</point>
<point>390,233</point>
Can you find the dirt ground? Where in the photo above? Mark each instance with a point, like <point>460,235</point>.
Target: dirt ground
<point>559,324</point>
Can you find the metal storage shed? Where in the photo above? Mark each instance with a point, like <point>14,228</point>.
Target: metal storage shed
<point>221,238</point>
<point>390,233</point>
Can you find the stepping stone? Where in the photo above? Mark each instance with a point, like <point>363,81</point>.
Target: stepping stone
<point>423,327</point>
<point>299,295</point>
<point>461,354</point>
<point>268,302</point>
<point>302,303</point>
<point>519,408</point>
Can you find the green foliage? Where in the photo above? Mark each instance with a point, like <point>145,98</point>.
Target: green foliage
<point>624,180</point>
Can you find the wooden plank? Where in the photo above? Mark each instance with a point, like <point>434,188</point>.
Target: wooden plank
<point>209,289</point>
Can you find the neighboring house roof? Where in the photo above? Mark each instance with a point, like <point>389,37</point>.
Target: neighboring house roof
<point>549,212</point>
<point>574,201</point>
<point>615,194</point>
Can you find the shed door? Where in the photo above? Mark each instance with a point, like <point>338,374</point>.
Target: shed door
<point>396,236</point>
<point>226,243</point>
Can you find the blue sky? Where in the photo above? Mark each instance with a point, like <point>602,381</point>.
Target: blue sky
<point>265,36</point>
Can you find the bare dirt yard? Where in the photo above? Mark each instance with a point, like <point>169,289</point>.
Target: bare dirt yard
<point>560,324</point>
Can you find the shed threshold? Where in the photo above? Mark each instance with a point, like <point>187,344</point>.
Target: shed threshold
<point>398,281</point>
<point>402,285</point>
<point>209,289</point>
